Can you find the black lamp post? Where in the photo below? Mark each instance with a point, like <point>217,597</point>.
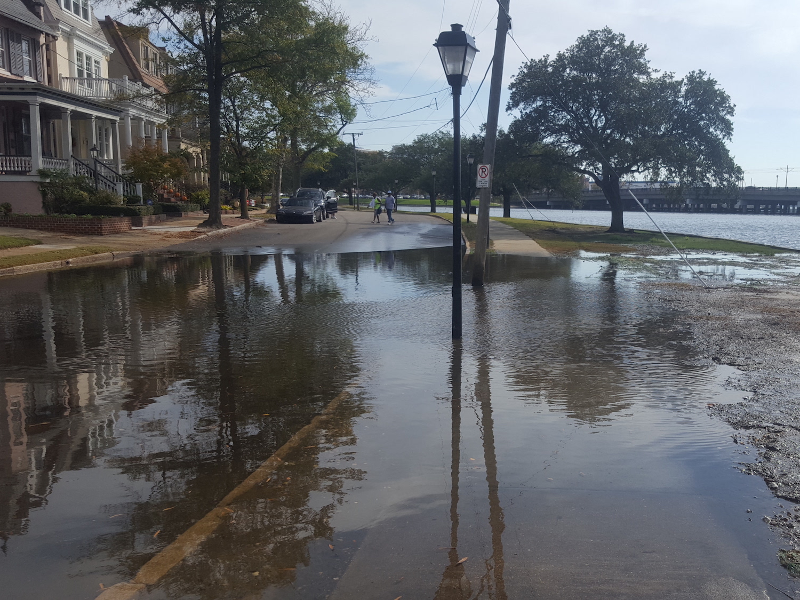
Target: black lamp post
<point>457,51</point>
<point>470,160</point>
<point>433,172</point>
<point>94,152</point>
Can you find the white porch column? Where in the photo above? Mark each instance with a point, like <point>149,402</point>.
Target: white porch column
<point>93,134</point>
<point>66,133</point>
<point>142,136</point>
<point>154,135</point>
<point>128,131</point>
<point>115,144</point>
<point>165,139</point>
<point>36,136</point>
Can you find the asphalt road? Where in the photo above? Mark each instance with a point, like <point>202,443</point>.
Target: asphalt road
<point>351,231</point>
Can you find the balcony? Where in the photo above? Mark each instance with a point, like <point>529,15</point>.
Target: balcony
<point>115,90</point>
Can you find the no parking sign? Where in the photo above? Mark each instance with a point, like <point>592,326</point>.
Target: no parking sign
<point>484,174</point>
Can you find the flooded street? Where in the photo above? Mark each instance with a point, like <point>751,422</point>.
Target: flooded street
<point>563,449</point>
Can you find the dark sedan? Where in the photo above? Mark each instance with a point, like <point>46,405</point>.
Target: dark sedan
<point>299,209</point>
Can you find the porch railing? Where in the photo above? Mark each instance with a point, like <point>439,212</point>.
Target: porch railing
<point>120,90</point>
<point>55,163</point>
<point>15,164</point>
<point>24,164</point>
<point>105,176</point>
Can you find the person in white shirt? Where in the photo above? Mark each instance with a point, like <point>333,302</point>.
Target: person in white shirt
<point>391,204</point>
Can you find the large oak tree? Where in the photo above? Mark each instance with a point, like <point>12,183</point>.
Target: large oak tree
<point>609,114</point>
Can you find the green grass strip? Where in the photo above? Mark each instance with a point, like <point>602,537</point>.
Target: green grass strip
<point>8,241</point>
<point>569,238</point>
<point>51,256</point>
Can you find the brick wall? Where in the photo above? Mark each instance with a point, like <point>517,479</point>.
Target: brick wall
<point>71,225</point>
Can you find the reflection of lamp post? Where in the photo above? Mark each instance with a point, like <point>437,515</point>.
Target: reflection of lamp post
<point>457,51</point>
<point>470,160</point>
<point>94,152</point>
<point>433,172</point>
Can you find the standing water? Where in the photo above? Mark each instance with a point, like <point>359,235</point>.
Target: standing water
<point>562,450</point>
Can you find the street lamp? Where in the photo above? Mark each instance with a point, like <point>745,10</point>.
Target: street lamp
<point>470,160</point>
<point>457,51</point>
<point>94,152</point>
<point>433,172</point>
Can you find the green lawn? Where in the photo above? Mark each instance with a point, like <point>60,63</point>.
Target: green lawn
<point>567,238</point>
<point>8,241</point>
<point>50,256</point>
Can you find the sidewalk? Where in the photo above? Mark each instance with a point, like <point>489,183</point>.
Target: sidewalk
<point>508,240</point>
<point>114,247</point>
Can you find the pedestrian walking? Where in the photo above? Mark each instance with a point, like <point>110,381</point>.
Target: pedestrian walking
<point>391,203</point>
<point>375,205</point>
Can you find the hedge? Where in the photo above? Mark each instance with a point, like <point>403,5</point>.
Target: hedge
<point>182,207</point>
<point>117,211</point>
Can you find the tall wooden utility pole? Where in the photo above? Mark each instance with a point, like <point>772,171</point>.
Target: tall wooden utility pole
<point>503,25</point>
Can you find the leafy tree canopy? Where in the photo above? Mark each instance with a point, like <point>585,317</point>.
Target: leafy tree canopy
<point>608,114</point>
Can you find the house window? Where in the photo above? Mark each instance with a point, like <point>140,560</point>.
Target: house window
<point>27,58</point>
<point>80,8</point>
<point>3,62</point>
<point>86,66</point>
<point>22,53</point>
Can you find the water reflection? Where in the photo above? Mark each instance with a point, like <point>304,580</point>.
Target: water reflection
<point>180,375</point>
<point>495,564</point>
<point>455,584</point>
<point>158,388</point>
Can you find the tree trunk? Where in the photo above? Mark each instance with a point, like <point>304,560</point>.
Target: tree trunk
<point>277,185</point>
<point>243,208</point>
<point>294,161</point>
<point>506,202</point>
<point>610,187</point>
<point>215,82</point>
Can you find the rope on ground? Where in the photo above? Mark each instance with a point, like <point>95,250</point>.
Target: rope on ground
<point>686,260</point>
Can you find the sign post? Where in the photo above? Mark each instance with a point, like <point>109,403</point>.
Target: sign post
<point>484,176</point>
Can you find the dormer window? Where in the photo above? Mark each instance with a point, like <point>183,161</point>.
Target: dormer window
<point>80,8</point>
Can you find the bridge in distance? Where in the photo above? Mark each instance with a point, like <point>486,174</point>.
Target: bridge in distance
<point>780,201</point>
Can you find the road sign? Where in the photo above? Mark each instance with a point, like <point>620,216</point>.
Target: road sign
<point>484,175</point>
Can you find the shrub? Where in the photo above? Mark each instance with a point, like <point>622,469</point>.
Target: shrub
<point>5,209</point>
<point>114,211</point>
<point>200,197</point>
<point>174,207</point>
<point>63,193</point>
<point>153,167</point>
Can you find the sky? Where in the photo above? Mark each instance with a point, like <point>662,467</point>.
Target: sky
<point>750,47</point>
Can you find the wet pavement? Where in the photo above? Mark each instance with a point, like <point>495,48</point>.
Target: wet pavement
<point>564,449</point>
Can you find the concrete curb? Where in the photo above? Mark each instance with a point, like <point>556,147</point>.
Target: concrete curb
<point>107,257</point>
<point>190,540</point>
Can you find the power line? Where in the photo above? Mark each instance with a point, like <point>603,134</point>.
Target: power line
<point>408,98</point>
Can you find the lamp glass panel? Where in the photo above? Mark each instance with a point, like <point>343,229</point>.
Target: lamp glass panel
<point>470,57</point>
<point>452,59</point>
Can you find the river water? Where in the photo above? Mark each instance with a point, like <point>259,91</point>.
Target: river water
<point>773,230</point>
<point>562,450</point>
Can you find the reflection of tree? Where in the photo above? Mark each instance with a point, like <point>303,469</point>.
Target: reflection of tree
<point>242,373</point>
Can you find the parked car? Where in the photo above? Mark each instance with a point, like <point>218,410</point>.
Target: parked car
<point>331,202</point>
<point>299,209</point>
<point>318,196</point>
